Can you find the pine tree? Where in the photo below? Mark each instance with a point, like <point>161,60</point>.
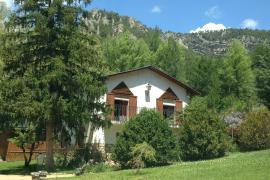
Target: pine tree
<point>236,74</point>
<point>54,72</point>
<point>261,66</point>
<point>170,58</point>
<point>125,52</point>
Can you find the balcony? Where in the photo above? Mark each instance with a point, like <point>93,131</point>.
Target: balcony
<point>122,114</point>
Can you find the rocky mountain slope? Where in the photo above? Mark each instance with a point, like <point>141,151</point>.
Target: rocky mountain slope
<point>212,43</point>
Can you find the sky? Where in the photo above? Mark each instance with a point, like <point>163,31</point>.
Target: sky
<point>193,15</point>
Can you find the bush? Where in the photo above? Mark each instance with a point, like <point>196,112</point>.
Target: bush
<point>203,133</point>
<point>254,132</point>
<point>96,168</point>
<point>78,157</point>
<point>141,154</point>
<point>149,127</point>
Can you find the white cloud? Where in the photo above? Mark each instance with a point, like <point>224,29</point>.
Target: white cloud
<point>249,23</point>
<point>9,3</point>
<point>213,12</point>
<point>156,9</point>
<point>209,27</point>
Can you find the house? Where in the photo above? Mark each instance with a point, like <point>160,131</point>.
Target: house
<point>130,91</point>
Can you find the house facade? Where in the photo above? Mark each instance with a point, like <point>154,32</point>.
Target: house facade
<point>131,91</point>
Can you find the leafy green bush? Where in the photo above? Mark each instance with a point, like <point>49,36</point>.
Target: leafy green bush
<point>141,154</point>
<point>149,127</point>
<point>254,132</point>
<point>202,134</point>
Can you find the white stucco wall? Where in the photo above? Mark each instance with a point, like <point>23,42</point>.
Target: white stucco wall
<point>136,82</point>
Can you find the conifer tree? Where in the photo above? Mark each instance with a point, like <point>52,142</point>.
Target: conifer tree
<point>54,72</point>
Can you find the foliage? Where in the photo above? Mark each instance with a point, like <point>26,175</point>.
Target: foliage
<point>202,134</point>
<point>125,52</point>
<point>75,157</point>
<point>52,69</point>
<point>170,58</point>
<point>4,13</point>
<point>236,74</point>
<point>28,140</point>
<point>96,168</point>
<point>141,154</point>
<point>261,66</point>
<point>149,127</point>
<point>254,132</point>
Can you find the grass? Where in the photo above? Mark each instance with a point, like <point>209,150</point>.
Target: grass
<point>18,168</point>
<point>246,166</point>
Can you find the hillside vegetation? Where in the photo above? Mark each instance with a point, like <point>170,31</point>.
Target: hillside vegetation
<point>209,43</point>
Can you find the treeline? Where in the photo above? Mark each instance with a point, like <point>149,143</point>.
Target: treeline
<point>239,80</point>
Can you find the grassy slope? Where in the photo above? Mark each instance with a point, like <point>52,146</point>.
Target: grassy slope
<point>252,165</point>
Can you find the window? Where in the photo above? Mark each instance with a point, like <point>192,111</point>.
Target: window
<point>168,111</point>
<point>120,110</point>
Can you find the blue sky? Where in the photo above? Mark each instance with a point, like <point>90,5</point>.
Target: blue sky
<point>196,15</point>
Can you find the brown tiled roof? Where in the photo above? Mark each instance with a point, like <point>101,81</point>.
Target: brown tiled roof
<point>163,74</point>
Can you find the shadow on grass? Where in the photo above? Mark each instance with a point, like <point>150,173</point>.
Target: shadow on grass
<point>17,168</point>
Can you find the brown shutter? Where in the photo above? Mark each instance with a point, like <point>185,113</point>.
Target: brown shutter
<point>110,102</point>
<point>132,106</point>
<point>178,105</point>
<point>159,106</point>
<point>178,108</point>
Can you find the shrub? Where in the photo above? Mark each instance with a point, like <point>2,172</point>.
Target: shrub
<point>96,168</point>
<point>141,154</point>
<point>79,156</point>
<point>203,133</point>
<point>254,132</point>
<point>149,127</point>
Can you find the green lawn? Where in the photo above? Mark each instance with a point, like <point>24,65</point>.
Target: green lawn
<point>252,165</point>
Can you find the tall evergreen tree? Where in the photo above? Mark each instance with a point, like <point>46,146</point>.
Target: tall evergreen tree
<point>54,73</point>
<point>125,52</point>
<point>261,66</point>
<point>236,75</point>
<point>170,58</point>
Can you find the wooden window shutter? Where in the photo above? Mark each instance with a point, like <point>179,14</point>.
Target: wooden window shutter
<point>178,105</point>
<point>178,108</point>
<point>132,106</point>
<point>110,102</point>
<point>159,106</point>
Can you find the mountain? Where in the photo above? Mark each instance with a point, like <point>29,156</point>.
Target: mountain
<point>211,43</point>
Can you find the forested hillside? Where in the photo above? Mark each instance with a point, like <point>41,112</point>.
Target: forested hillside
<point>210,43</point>
<point>228,67</point>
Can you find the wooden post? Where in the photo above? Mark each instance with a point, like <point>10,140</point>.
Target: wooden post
<point>132,106</point>
<point>159,106</point>
<point>110,102</point>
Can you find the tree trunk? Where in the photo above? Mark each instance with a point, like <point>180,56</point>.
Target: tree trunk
<point>49,145</point>
<point>25,157</point>
<point>91,134</point>
<point>31,153</point>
